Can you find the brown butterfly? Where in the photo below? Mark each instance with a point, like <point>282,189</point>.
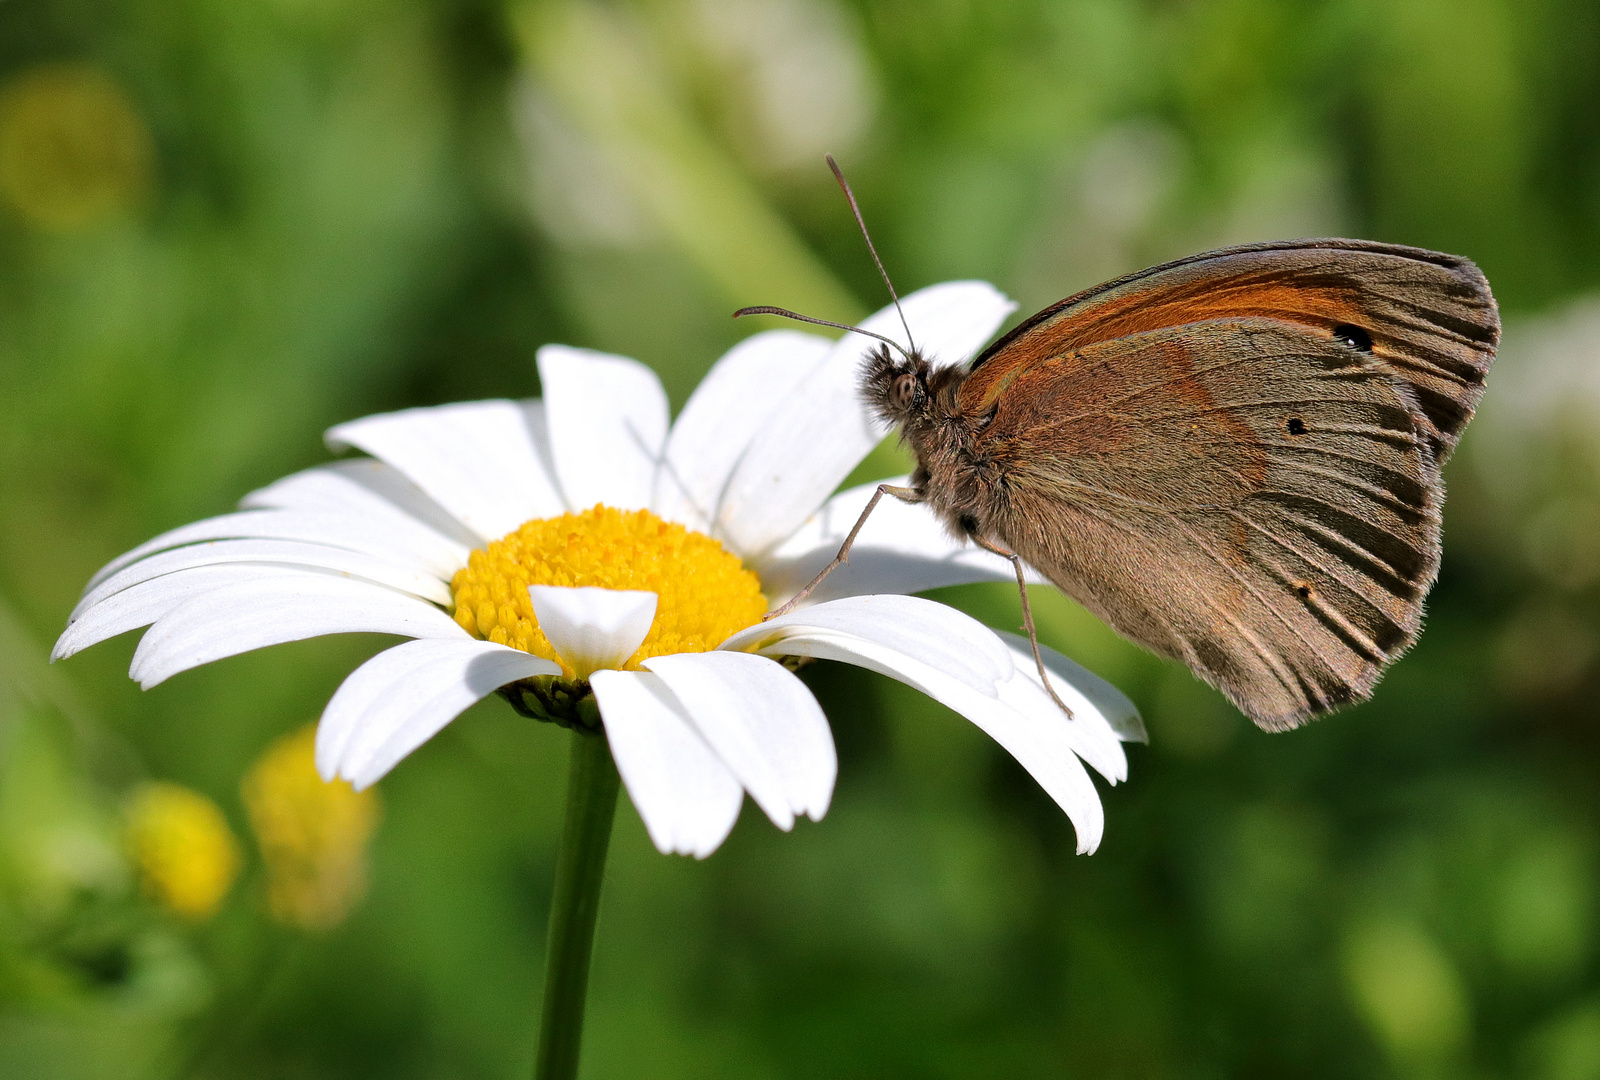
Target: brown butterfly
<point>1232,459</point>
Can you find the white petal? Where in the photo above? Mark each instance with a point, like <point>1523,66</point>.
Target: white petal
<point>270,552</point>
<point>592,628</point>
<point>364,488</point>
<point>1115,707</point>
<point>485,462</point>
<point>1086,730</point>
<point>1041,743</point>
<point>953,320</point>
<point>937,634</point>
<point>686,796</point>
<point>726,411</point>
<point>824,430</point>
<point>903,548</point>
<point>764,725</point>
<point>252,615</point>
<point>608,422</point>
<point>400,699</point>
<point>142,604</point>
<point>395,538</point>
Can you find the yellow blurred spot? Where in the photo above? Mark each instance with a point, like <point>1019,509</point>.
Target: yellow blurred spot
<point>313,835</point>
<point>185,852</point>
<point>704,593</point>
<point>1407,990</point>
<point>73,149</point>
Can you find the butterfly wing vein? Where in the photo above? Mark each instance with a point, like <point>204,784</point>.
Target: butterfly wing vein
<point>1280,543</point>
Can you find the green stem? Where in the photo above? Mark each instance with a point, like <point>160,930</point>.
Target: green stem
<point>580,869</point>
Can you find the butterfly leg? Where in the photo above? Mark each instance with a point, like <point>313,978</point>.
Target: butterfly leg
<point>904,494</point>
<point>1027,615</point>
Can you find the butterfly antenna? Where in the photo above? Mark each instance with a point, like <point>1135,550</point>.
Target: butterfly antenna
<point>838,174</point>
<point>787,314</point>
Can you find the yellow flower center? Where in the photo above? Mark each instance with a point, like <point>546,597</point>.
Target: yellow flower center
<point>704,593</point>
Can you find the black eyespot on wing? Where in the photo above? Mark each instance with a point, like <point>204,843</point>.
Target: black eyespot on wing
<point>1353,336</point>
<point>1303,590</point>
<point>1295,426</point>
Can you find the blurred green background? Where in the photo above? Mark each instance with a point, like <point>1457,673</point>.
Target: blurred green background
<point>228,224</point>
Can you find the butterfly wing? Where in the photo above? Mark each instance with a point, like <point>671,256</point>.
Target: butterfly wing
<point>1232,484</point>
<point>1429,319</point>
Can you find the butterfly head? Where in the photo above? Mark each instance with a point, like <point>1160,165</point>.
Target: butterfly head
<point>895,386</point>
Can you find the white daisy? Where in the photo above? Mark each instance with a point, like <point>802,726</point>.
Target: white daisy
<point>549,548</point>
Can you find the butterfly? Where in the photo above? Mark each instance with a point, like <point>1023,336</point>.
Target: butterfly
<point>1232,459</point>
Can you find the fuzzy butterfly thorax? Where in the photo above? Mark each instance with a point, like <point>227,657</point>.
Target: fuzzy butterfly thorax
<point>922,401</point>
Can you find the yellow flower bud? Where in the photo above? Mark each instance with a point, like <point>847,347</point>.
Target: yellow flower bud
<point>186,854</point>
<point>313,835</point>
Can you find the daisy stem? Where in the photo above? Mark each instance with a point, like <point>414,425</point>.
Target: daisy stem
<point>580,869</point>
